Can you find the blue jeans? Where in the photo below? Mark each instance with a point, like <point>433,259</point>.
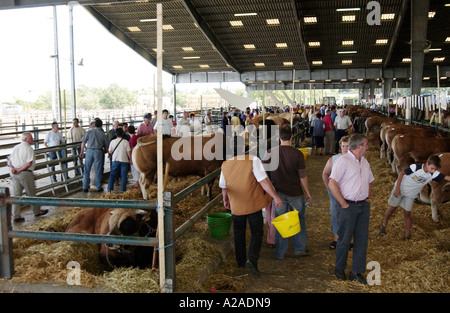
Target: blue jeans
<point>333,213</point>
<point>353,221</point>
<point>97,158</point>
<point>299,240</point>
<point>118,168</point>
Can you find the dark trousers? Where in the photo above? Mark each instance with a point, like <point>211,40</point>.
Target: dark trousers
<point>339,134</point>
<point>353,222</point>
<point>256,223</point>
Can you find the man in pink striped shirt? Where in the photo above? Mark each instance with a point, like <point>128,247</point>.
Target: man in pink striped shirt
<point>350,183</point>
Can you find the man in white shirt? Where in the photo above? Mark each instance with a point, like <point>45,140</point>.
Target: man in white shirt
<point>166,124</point>
<point>120,152</point>
<point>54,138</point>
<point>208,122</point>
<point>22,162</point>
<point>76,132</point>
<point>183,125</point>
<point>343,124</point>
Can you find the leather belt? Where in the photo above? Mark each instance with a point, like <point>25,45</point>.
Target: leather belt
<point>356,202</point>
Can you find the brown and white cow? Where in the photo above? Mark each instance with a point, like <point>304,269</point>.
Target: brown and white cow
<point>437,193</point>
<point>191,155</point>
<point>122,222</point>
<point>376,121</point>
<point>417,147</point>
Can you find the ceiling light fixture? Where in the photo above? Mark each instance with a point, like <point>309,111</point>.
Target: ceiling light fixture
<point>187,49</point>
<point>387,16</point>
<point>245,14</point>
<point>377,61</point>
<point>310,20</point>
<point>381,42</point>
<point>260,64</point>
<point>190,58</point>
<point>347,52</point>
<point>317,62</point>
<point>441,59</point>
<point>288,63</point>
<point>347,61</point>
<point>281,45</point>
<point>348,18</point>
<point>347,42</point>
<point>236,23</point>
<point>406,60</point>
<point>249,46</point>
<point>348,9</point>
<point>148,20</point>
<point>272,21</point>
<point>134,29</point>
<point>314,43</point>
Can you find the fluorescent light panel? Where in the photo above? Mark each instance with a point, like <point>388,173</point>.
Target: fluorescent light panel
<point>148,20</point>
<point>431,14</point>
<point>281,45</point>
<point>204,65</point>
<point>347,61</point>
<point>245,14</point>
<point>347,42</point>
<point>348,52</point>
<point>348,18</point>
<point>377,60</point>
<point>187,48</point>
<point>288,63</point>
<point>134,29</point>
<point>236,23</point>
<point>167,27</point>
<point>314,43</point>
<point>272,21</point>
<point>381,42</point>
<point>406,60</point>
<point>310,20</point>
<point>249,46</point>
<point>178,67</point>
<point>387,16</point>
<point>260,64</point>
<point>317,62</point>
<point>191,58</point>
<point>441,59</point>
<point>348,9</point>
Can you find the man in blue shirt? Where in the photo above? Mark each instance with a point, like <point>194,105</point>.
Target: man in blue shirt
<point>96,142</point>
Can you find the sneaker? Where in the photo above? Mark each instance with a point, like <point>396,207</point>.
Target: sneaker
<point>253,267</point>
<point>357,278</point>
<point>42,212</point>
<point>340,274</point>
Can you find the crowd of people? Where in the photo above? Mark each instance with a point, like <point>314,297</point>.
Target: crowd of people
<point>327,126</point>
<point>247,187</point>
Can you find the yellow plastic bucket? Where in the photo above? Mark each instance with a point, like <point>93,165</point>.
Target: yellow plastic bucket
<point>305,152</point>
<point>287,224</point>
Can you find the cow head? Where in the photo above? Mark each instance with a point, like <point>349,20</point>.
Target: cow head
<point>126,222</point>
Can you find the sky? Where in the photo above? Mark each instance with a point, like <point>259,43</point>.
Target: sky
<point>27,42</point>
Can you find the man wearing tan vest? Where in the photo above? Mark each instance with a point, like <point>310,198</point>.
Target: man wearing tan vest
<point>246,190</point>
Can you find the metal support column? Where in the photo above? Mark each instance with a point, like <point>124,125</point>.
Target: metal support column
<point>419,16</point>
<point>6,252</point>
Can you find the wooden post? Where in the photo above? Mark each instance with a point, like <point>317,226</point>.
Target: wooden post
<point>293,97</point>
<point>162,263</point>
<point>6,252</point>
<point>439,95</point>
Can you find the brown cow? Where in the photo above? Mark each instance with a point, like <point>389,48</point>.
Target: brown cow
<point>418,148</point>
<point>125,222</point>
<point>437,193</point>
<point>390,131</point>
<point>376,121</point>
<point>185,155</point>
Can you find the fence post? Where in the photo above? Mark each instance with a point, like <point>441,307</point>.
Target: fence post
<point>36,138</point>
<point>169,238</point>
<point>6,252</point>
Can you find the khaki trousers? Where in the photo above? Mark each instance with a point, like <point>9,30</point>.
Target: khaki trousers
<point>21,181</point>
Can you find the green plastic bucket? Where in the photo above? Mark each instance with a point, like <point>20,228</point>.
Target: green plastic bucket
<point>219,224</point>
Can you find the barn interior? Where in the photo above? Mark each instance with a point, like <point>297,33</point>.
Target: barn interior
<point>284,45</point>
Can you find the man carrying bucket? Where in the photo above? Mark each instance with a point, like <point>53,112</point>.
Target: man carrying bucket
<point>350,182</point>
<point>246,189</point>
<point>291,184</point>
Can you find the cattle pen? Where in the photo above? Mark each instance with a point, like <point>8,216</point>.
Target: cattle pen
<point>171,235</point>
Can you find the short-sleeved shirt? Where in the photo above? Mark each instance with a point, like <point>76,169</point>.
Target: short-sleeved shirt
<point>328,122</point>
<point>54,139</point>
<point>120,147</point>
<point>95,139</point>
<point>416,178</point>
<point>21,155</point>
<point>258,171</point>
<point>342,123</point>
<point>166,126</point>
<point>291,167</point>
<point>352,176</point>
<point>145,130</point>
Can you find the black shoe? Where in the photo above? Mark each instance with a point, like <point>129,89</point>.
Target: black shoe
<point>85,190</point>
<point>100,190</point>
<point>253,267</point>
<point>357,278</point>
<point>340,274</point>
